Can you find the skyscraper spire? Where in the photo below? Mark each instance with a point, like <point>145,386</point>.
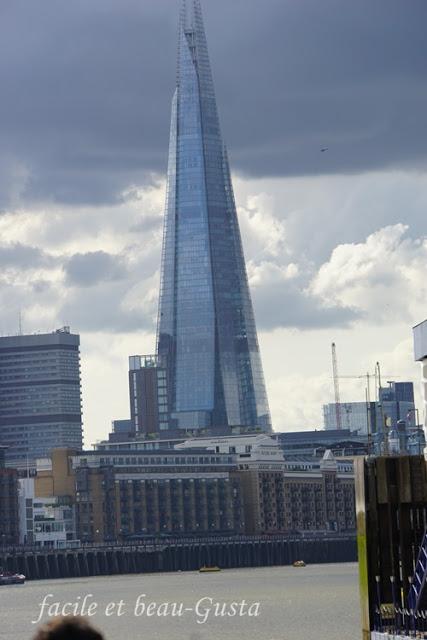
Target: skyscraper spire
<point>206,330</point>
<point>191,12</point>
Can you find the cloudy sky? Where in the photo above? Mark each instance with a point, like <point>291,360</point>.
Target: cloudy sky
<point>335,242</point>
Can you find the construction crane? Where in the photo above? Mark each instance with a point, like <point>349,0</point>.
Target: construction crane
<point>371,418</point>
<point>367,376</point>
<point>336,386</point>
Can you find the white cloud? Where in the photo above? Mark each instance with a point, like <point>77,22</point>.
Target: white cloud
<point>79,229</point>
<point>377,268</point>
<point>319,213</point>
<point>264,234</point>
<point>298,368</point>
<point>296,401</point>
<point>383,276</point>
<point>264,272</point>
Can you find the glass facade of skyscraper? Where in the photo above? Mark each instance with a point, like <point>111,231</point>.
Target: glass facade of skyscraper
<point>206,327</point>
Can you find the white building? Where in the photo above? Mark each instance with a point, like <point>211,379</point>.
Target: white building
<point>248,447</point>
<point>47,521</point>
<point>420,351</point>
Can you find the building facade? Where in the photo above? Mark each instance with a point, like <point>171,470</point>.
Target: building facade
<point>342,443</point>
<point>45,522</point>
<point>9,520</point>
<point>355,416</point>
<point>148,395</point>
<point>395,403</point>
<point>40,398</point>
<point>420,353</point>
<point>228,486</point>
<point>319,495</point>
<point>124,494</point>
<point>207,338</point>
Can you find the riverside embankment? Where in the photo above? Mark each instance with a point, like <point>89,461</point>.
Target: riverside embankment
<point>176,555</point>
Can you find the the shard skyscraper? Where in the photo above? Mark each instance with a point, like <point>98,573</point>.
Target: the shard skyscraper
<point>207,339</point>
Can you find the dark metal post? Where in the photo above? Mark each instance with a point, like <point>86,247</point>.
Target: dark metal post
<point>380,622</point>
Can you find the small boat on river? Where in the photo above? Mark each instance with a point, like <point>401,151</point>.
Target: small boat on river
<point>7,577</point>
<point>299,563</point>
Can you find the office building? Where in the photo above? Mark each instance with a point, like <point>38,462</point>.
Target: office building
<point>395,403</point>
<point>207,338</point>
<point>40,403</point>
<point>122,431</point>
<point>9,521</point>
<point>148,396</point>
<point>355,416</point>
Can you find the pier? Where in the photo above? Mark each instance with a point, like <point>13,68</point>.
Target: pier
<point>391,495</point>
<point>176,555</point>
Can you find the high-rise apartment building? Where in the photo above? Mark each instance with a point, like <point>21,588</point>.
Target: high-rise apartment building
<point>148,395</point>
<point>206,328</point>
<point>40,403</point>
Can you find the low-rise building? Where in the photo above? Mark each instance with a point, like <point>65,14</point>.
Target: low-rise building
<point>319,495</point>
<point>221,485</point>
<point>342,443</point>
<point>45,521</point>
<point>260,465</point>
<point>121,494</point>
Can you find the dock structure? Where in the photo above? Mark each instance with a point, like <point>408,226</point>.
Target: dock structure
<point>184,555</point>
<point>391,505</point>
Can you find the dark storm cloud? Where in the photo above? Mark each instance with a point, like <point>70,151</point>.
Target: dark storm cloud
<point>101,308</point>
<point>88,269</point>
<point>86,89</point>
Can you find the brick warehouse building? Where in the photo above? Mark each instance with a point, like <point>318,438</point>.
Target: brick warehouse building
<point>229,485</point>
<point>141,493</point>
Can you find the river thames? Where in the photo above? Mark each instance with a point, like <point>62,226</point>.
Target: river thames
<point>274,603</point>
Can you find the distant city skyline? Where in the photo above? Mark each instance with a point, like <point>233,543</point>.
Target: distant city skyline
<point>334,241</point>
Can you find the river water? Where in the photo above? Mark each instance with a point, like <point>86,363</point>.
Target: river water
<point>316,602</point>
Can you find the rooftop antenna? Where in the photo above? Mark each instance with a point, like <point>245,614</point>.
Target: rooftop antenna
<point>20,323</point>
<point>378,369</point>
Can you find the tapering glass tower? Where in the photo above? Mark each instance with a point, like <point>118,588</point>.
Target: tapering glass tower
<point>206,335</point>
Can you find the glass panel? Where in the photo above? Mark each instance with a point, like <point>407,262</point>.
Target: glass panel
<point>206,328</point>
